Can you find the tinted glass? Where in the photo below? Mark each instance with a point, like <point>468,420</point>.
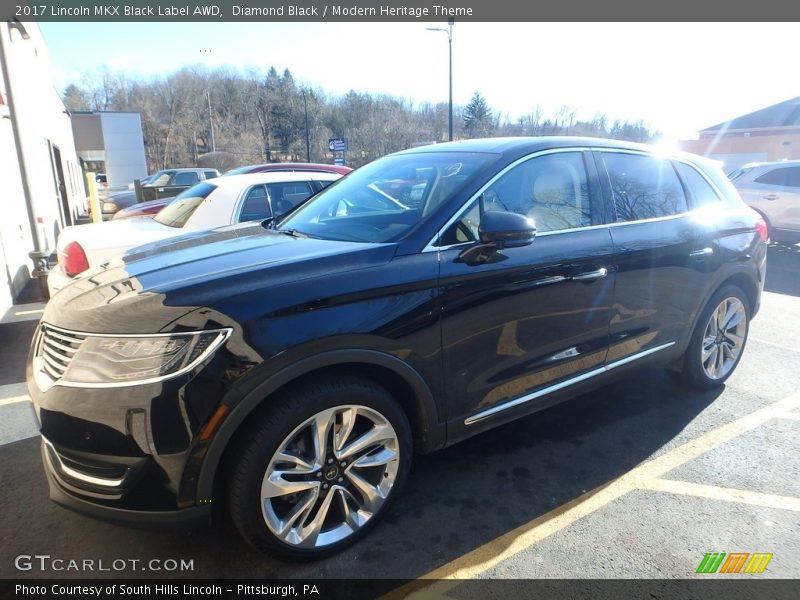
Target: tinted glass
<point>785,177</point>
<point>177,212</point>
<point>702,194</point>
<point>643,187</point>
<point>383,200</point>
<point>285,196</point>
<point>186,178</point>
<point>210,174</point>
<point>552,190</point>
<point>255,205</point>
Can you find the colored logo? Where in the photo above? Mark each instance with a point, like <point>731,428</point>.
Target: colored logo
<point>734,562</point>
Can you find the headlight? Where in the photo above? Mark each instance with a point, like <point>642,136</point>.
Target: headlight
<point>88,360</point>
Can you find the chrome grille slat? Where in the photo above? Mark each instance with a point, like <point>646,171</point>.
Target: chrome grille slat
<point>56,348</point>
<point>52,357</point>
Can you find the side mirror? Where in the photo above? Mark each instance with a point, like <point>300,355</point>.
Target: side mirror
<point>504,229</point>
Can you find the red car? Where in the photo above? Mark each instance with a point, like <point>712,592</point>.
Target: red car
<point>153,206</point>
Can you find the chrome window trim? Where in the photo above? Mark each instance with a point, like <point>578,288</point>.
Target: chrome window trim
<point>430,247</point>
<point>44,382</point>
<point>561,385</point>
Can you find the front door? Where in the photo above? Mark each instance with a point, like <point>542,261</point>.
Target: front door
<point>527,318</point>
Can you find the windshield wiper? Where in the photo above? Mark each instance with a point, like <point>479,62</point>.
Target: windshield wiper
<point>294,233</point>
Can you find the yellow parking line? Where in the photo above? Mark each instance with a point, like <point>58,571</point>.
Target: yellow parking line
<point>14,400</point>
<point>494,552</point>
<point>713,492</point>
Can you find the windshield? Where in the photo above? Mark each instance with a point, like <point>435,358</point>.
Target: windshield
<point>381,201</point>
<point>177,212</point>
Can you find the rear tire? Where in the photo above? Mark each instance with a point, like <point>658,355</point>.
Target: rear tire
<point>718,340</point>
<point>318,469</point>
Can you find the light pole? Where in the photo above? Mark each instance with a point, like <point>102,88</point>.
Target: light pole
<point>449,32</point>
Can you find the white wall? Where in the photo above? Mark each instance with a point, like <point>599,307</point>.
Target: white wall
<point>124,148</point>
<point>42,122</point>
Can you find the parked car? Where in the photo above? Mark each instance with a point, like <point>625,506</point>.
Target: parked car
<point>153,206</point>
<point>317,167</point>
<point>212,203</point>
<point>164,184</point>
<point>290,374</point>
<point>773,189</point>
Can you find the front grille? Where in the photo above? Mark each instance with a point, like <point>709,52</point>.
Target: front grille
<point>57,348</point>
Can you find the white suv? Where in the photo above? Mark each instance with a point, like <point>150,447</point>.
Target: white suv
<point>773,189</point>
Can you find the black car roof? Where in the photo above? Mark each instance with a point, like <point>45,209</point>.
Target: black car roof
<point>512,146</point>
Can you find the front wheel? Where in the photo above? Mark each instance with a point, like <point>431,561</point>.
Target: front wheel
<point>316,472</point>
<point>718,340</point>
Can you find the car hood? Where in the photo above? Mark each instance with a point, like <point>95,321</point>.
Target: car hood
<point>200,269</point>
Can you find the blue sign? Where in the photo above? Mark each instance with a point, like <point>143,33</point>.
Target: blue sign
<point>339,161</point>
<point>337,144</point>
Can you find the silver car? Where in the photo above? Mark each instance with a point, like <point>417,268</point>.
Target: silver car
<point>773,189</point>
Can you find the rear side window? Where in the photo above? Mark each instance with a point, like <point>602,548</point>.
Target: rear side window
<point>643,187</point>
<point>701,193</point>
<point>210,174</point>
<point>784,177</point>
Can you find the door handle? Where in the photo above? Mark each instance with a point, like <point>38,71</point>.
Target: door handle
<point>591,275</point>
<point>707,251</point>
<point>771,197</point>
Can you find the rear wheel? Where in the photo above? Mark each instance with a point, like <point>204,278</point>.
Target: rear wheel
<point>313,475</point>
<point>718,340</point>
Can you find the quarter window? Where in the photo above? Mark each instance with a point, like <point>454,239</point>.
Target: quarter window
<point>701,192</point>
<point>784,177</point>
<point>643,187</point>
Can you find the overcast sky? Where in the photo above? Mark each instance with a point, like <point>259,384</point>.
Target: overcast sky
<point>677,77</point>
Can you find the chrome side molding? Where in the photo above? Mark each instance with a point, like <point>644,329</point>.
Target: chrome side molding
<point>562,384</point>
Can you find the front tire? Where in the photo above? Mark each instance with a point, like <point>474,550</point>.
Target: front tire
<point>317,471</point>
<point>718,340</point>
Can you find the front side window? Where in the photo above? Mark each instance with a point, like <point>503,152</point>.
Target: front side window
<point>553,190</point>
<point>285,196</point>
<point>186,178</point>
<point>382,201</point>
<point>783,177</point>
<point>255,206</point>
<point>643,187</point>
<point>177,212</point>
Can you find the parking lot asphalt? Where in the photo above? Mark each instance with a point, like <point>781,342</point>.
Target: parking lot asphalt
<point>637,480</point>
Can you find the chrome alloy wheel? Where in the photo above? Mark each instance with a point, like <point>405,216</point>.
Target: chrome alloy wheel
<point>723,338</point>
<point>329,476</point>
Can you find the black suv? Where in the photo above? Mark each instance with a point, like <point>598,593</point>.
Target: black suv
<point>289,371</point>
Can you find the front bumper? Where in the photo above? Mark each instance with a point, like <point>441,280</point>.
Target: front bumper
<point>59,486</point>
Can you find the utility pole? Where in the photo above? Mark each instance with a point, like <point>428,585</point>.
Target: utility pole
<point>211,121</point>
<point>449,32</point>
<point>308,144</point>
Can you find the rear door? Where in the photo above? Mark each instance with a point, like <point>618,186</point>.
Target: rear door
<point>661,254</point>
